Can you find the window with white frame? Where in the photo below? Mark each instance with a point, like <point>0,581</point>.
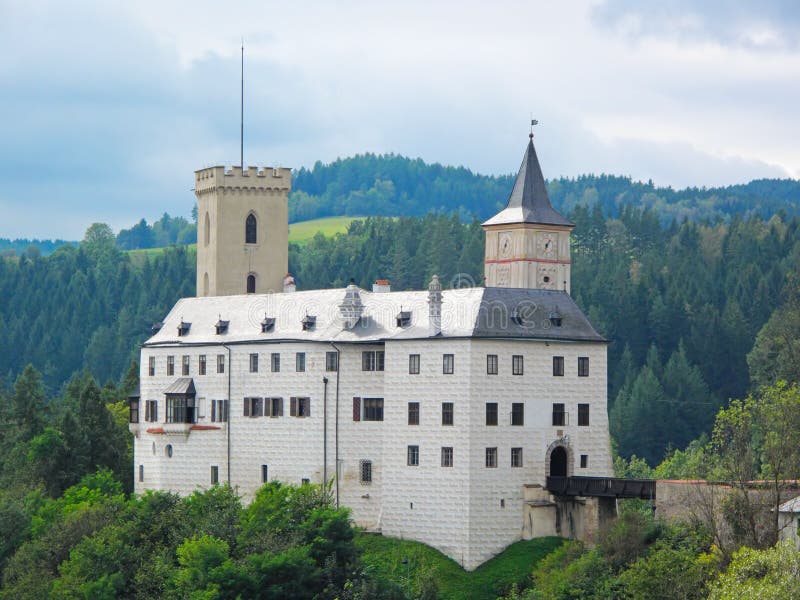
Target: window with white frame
<point>516,364</point>
<point>331,361</point>
<point>254,362</point>
<point>516,457</point>
<point>491,458</point>
<point>448,364</point>
<point>412,456</point>
<point>276,362</point>
<point>300,362</point>
<point>185,364</point>
<point>372,360</point>
<point>413,364</point>
<point>170,365</point>
<point>220,363</point>
<point>201,364</point>
<point>151,366</point>
<point>447,456</point>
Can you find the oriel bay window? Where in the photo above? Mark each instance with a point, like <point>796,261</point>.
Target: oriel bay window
<point>181,401</point>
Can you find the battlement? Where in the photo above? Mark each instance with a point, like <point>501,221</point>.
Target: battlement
<point>251,177</point>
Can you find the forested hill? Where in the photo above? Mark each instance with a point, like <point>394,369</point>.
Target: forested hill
<point>681,304</point>
<point>370,184</point>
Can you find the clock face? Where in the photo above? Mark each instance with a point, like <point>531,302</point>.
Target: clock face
<point>505,245</point>
<point>547,245</point>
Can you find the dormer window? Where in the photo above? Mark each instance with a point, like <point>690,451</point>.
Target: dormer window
<point>404,318</point>
<point>156,327</point>
<point>556,317</point>
<point>268,324</point>
<point>309,322</point>
<point>221,327</point>
<point>183,328</point>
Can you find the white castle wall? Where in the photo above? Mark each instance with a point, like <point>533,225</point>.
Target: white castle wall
<point>457,510</point>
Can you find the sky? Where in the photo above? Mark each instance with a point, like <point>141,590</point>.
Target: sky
<point>107,108</point>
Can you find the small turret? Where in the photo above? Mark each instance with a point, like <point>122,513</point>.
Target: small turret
<point>351,308</point>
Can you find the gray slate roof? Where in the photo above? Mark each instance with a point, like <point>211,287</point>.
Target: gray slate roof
<point>529,202</point>
<point>466,313</point>
<point>183,386</point>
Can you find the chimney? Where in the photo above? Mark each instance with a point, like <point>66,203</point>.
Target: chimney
<point>381,286</point>
<point>435,306</point>
<point>351,308</point>
<point>288,283</point>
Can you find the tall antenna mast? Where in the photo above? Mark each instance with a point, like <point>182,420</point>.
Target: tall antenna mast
<point>241,115</point>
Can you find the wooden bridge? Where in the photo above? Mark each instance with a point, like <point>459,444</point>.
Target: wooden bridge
<point>603,487</point>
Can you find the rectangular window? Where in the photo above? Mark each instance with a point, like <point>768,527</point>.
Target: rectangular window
<point>331,361</point>
<point>448,361</point>
<point>300,407</point>
<point>558,366</point>
<point>276,407</point>
<point>559,417</point>
<point>365,471</point>
<point>134,411</point>
<point>372,360</point>
<point>276,362</point>
<point>356,408</point>
<point>185,365</point>
<point>170,365</point>
<point>300,362</point>
<point>254,363</point>
<point>151,366</point>
<point>413,364</point>
<point>583,366</point>
<point>412,456</point>
<point>305,481</point>
<point>220,363</point>
<point>413,413</point>
<point>584,461</point>
<point>264,473</point>
<point>253,407</point>
<point>201,364</point>
<point>516,457</point>
<point>151,411</point>
<point>491,413</point>
<point>141,472</point>
<point>516,364</point>
<point>447,456</point>
<point>491,364</point>
<point>219,411</point>
<point>518,413</point>
<point>447,413</point>
<point>583,415</point>
<point>491,458</point>
<point>373,409</point>
<point>214,474</point>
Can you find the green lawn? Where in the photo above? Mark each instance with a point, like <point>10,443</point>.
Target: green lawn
<point>492,579</point>
<point>301,232</point>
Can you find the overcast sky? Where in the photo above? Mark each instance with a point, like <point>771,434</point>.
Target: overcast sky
<point>107,108</point>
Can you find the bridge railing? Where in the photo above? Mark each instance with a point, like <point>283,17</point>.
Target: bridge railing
<point>609,487</point>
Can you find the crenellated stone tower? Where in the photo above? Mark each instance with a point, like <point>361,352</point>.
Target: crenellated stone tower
<point>527,243</point>
<point>242,230</point>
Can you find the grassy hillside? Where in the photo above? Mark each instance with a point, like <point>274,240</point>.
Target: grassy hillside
<point>301,232</point>
<point>492,579</point>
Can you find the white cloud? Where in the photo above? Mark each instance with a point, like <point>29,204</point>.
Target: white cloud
<point>112,106</point>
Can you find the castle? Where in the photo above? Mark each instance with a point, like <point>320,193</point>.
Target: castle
<point>436,414</point>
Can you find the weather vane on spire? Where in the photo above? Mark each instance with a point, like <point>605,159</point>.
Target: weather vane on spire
<point>533,122</point>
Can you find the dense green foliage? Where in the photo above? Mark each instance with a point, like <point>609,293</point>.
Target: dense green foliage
<point>636,557</point>
<point>92,542</point>
<point>681,304</point>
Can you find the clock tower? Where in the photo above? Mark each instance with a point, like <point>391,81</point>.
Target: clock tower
<point>527,243</point>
